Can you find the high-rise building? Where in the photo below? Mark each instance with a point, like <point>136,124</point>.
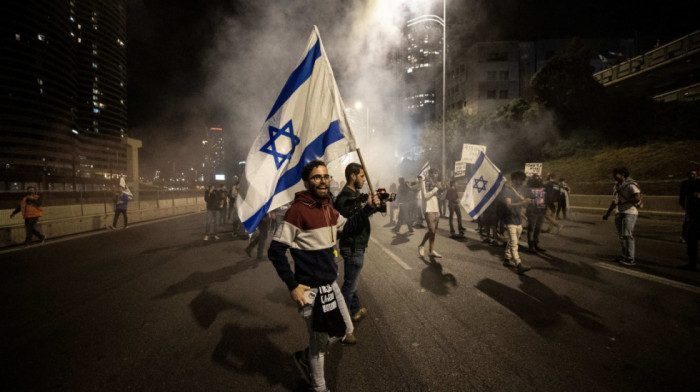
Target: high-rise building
<point>63,109</point>
<point>423,55</point>
<point>214,156</point>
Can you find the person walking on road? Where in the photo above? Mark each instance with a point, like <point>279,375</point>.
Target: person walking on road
<point>309,232</point>
<point>259,238</point>
<point>30,206</point>
<point>121,202</point>
<point>626,196</point>
<point>352,247</point>
<point>429,195</point>
<point>215,204</point>
<point>512,203</point>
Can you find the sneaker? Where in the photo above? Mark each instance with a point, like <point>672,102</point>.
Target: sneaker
<point>43,239</point>
<point>508,263</point>
<point>435,254</point>
<point>206,238</point>
<point>521,268</point>
<point>349,339</point>
<point>362,313</point>
<point>628,262</point>
<point>300,359</point>
<point>216,237</point>
<point>421,251</point>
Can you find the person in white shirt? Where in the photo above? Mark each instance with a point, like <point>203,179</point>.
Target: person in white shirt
<point>430,190</point>
<point>626,197</point>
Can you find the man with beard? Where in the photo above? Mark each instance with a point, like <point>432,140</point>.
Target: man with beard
<point>309,231</point>
<point>352,247</point>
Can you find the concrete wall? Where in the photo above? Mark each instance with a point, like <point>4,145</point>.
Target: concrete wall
<point>653,205</point>
<point>60,221</point>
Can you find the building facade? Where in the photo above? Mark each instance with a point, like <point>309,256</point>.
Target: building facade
<point>63,108</point>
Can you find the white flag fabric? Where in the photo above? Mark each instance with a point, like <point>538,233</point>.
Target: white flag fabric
<point>424,170</point>
<point>483,187</point>
<point>307,122</point>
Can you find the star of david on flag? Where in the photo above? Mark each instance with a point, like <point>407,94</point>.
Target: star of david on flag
<point>480,184</point>
<point>483,187</point>
<point>271,147</point>
<point>306,122</point>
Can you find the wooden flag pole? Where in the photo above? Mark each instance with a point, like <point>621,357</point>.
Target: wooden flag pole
<point>362,162</point>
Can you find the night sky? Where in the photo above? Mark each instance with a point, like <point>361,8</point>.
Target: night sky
<point>174,80</point>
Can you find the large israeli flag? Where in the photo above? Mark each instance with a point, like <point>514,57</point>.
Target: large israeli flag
<point>483,187</point>
<point>307,122</point>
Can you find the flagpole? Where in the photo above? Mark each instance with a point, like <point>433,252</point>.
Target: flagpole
<point>362,162</point>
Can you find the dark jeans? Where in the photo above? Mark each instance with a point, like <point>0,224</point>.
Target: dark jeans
<point>353,265</point>
<point>534,227</point>
<point>404,217</point>
<point>260,238</point>
<point>116,216</point>
<point>454,209</point>
<point>30,230</point>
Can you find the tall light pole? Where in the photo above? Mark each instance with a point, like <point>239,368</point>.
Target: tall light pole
<point>442,22</point>
<point>358,106</point>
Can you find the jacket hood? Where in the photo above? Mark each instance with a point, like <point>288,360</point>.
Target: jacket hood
<point>309,201</point>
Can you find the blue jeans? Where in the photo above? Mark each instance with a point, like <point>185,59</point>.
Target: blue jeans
<point>353,266</point>
<point>624,223</point>
<point>213,222</point>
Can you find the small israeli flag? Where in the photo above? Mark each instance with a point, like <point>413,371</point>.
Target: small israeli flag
<point>307,122</point>
<point>483,187</point>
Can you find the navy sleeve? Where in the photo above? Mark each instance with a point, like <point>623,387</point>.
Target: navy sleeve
<point>277,254</point>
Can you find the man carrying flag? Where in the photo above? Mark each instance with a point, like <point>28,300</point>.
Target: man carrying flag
<point>483,189</point>
<point>306,127</point>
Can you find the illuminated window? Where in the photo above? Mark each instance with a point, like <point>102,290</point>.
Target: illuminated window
<point>17,37</point>
<point>41,37</point>
<point>96,110</point>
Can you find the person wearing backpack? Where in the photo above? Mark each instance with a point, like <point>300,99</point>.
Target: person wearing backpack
<point>626,197</point>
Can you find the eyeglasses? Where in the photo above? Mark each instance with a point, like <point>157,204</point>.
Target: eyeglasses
<point>318,178</point>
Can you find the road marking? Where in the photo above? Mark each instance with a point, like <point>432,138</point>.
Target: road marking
<point>658,279</point>
<point>392,255</point>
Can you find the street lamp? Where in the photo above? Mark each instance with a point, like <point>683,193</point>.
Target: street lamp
<point>358,106</point>
<point>442,22</point>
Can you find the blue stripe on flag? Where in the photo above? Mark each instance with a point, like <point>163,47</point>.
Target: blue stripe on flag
<point>297,78</point>
<point>477,164</point>
<point>487,197</point>
<point>291,177</point>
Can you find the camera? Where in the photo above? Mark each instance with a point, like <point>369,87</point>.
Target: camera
<point>382,194</point>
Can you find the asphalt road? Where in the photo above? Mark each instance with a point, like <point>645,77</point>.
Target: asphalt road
<point>156,308</point>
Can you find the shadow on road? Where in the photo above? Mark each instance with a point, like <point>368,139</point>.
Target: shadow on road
<point>539,306</point>
<point>433,279</point>
<point>206,306</point>
<point>250,350</point>
<point>201,280</point>
<point>400,239</point>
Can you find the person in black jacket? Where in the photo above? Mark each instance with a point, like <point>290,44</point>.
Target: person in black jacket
<point>352,247</point>
<point>215,204</point>
<point>685,192</point>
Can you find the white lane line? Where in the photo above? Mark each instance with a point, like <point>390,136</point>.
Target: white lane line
<point>392,255</point>
<point>658,279</point>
